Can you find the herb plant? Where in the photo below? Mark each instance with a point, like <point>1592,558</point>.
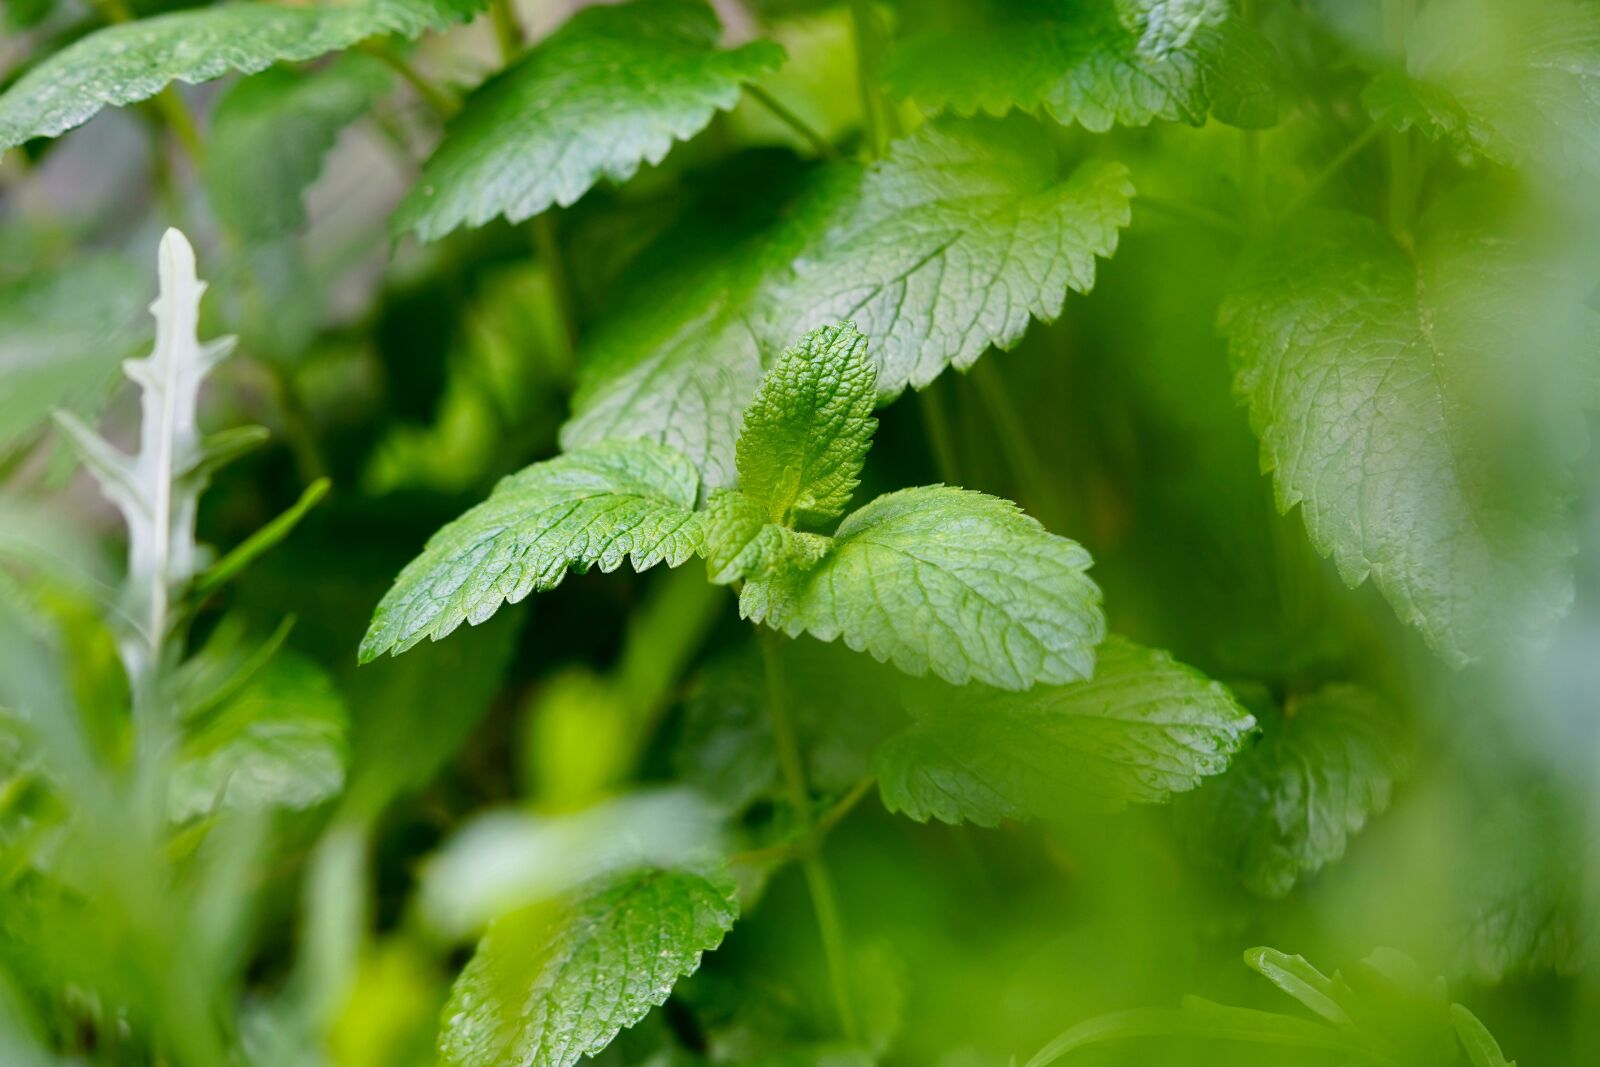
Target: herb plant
<point>1145,442</point>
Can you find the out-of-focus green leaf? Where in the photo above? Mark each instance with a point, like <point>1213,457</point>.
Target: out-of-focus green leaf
<point>1144,727</point>
<point>133,61</point>
<point>1515,83</point>
<point>1082,62</point>
<point>1289,805</point>
<point>1412,404</point>
<point>269,133</point>
<point>62,336</point>
<point>549,986</point>
<point>280,742</point>
<point>547,128</point>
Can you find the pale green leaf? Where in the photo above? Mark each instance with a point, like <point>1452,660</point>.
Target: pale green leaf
<point>62,335</point>
<point>1144,727</point>
<point>946,247</point>
<point>1166,25</point>
<point>953,244</point>
<point>1328,997</point>
<point>1084,62</point>
<point>549,986</point>
<point>134,61</point>
<point>1514,83</point>
<point>1288,805</point>
<point>807,432</point>
<point>269,134</point>
<point>741,542</point>
<point>561,118</point>
<point>1481,1047</point>
<point>1412,404</point>
<point>947,580</point>
<point>279,742</point>
<point>595,507</point>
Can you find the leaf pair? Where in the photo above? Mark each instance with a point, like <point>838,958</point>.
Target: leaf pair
<point>934,578</point>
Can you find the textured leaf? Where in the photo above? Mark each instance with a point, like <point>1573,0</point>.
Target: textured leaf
<point>1143,728</point>
<point>134,61</point>
<point>741,543</point>
<point>946,580</point>
<point>62,336</point>
<point>807,432</point>
<point>952,243</point>
<point>1084,62</point>
<point>1287,806</point>
<point>595,507</point>
<point>1389,389</point>
<point>269,134</point>
<point>1514,83</point>
<point>944,248</point>
<point>277,743</point>
<point>545,989</point>
<point>1526,911</point>
<point>1165,25</point>
<point>560,119</point>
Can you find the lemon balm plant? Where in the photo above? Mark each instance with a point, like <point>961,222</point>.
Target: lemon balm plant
<point>800,355</point>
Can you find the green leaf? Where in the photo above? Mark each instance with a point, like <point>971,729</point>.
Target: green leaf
<point>1326,996</point>
<point>1143,728</point>
<point>939,251</point>
<point>741,543</point>
<point>1289,805</point>
<point>1481,1047</point>
<point>952,243</point>
<point>1513,83</point>
<point>1167,25</point>
<point>548,987</point>
<point>1397,396</point>
<point>594,507</point>
<point>560,119</point>
<point>807,432</point>
<point>134,61</point>
<point>1084,62</point>
<point>269,134</point>
<point>946,580</point>
<point>62,336</point>
<point>277,743</point>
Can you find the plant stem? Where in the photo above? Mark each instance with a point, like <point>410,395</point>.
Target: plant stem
<point>443,102</point>
<point>547,246</point>
<point>507,30</point>
<point>1251,193</point>
<point>823,899</point>
<point>1396,23</point>
<point>793,121</point>
<point>936,420</point>
<point>1037,485</point>
<point>791,850</point>
<point>864,23</point>
<point>1334,166</point>
<point>1203,216</point>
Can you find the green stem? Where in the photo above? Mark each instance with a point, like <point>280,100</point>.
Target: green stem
<point>864,24</point>
<point>547,245</point>
<point>1334,166</point>
<point>507,30</point>
<point>1203,216</point>
<point>441,101</point>
<point>1251,191</point>
<point>1397,22</point>
<point>1037,485</point>
<point>936,420</point>
<point>799,125</point>
<point>824,901</point>
<point>793,850</point>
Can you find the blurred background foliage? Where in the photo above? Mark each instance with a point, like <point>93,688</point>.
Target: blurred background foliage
<point>323,920</point>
